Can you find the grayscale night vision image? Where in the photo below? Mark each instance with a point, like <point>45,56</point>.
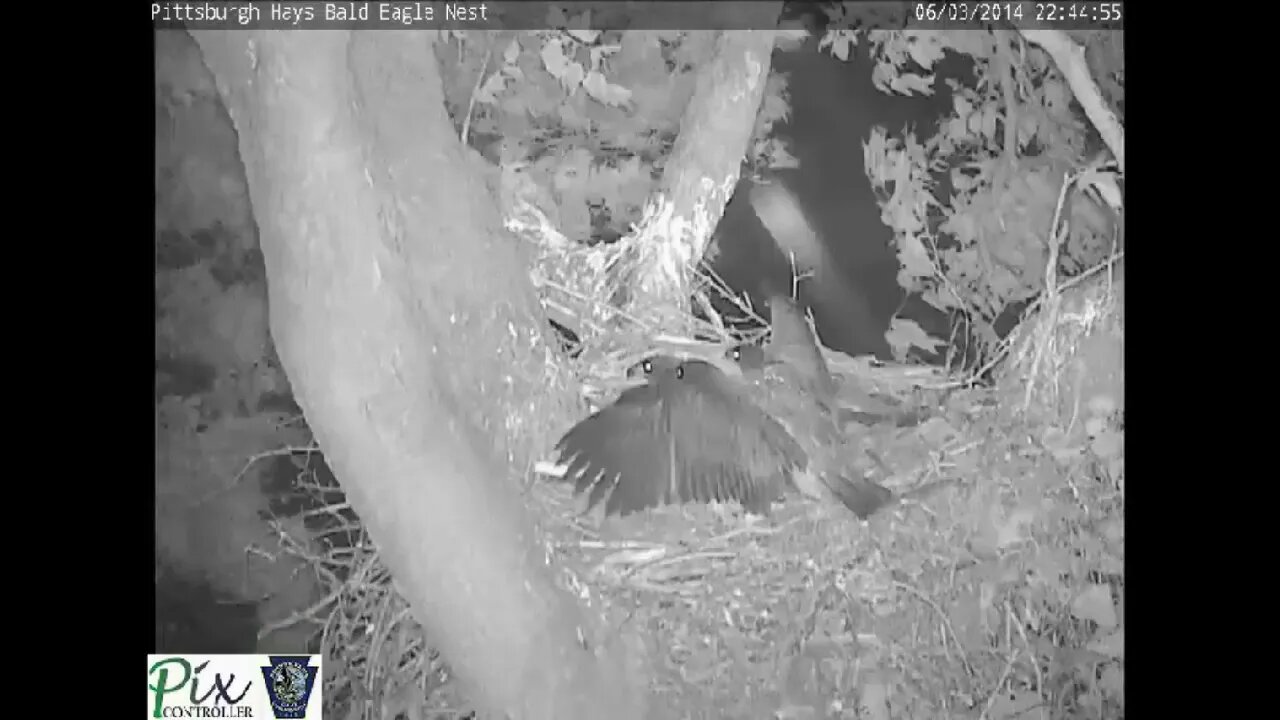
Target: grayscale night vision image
<point>640,360</point>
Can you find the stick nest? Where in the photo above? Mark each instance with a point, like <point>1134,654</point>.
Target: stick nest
<point>994,596</point>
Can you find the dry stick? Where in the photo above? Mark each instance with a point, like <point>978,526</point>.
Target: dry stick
<point>475,90</point>
<point>253,459</point>
<point>309,614</point>
<point>1006,345</point>
<point>1044,332</point>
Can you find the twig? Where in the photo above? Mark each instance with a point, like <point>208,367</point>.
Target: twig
<point>287,450</point>
<point>308,614</point>
<point>475,90</point>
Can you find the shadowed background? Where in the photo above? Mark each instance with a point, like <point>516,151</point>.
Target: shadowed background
<point>834,107</point>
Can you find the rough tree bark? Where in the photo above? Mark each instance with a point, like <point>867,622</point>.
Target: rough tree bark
<point>705,162</point>
<point>401,313</point>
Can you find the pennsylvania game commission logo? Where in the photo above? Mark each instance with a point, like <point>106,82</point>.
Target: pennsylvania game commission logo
<point>290,679</point>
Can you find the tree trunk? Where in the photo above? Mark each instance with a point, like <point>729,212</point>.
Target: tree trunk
<point>705,162</point>
<point>406,322</point>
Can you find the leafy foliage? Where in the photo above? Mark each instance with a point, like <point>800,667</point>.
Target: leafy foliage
<point>973,206</point>
<point>590,116</point>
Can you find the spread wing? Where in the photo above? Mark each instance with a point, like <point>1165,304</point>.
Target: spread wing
<point>863,497</point>
<point>806,418</point>
<point>731,449</point>
<point>620,447</point>
<point>684,437</point>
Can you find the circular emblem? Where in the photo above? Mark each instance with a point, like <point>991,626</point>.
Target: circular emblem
<point>289,685</point>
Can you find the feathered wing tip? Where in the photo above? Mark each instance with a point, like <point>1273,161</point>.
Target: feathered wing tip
<point>712,480</point>
<point>725,453</point>
<point>731,449</point>
<point>640,483</point>
<point>611,455</point>
<point>863,497</point>
<point>613,459</point>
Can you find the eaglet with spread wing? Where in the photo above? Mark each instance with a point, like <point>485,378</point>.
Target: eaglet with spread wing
<point>697,432</point>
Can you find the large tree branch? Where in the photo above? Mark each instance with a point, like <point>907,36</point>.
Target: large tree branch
<point>705,162</point>
<point>401,315</point>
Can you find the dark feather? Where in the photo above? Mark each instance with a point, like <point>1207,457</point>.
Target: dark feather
<point>688,435</point>
<point>692,434</point>
<point>610,446</point>
<point>780,388</point>
<point>865,497</point>
<point>862,497</point>
<point>792,343</point>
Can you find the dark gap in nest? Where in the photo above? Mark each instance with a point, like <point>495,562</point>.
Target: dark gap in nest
<point>740,312</point>
<point>570,343</point>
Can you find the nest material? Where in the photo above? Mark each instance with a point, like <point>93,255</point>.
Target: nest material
<point>808,614</point>
<point>1071,353</point>
<point>811,613</point>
